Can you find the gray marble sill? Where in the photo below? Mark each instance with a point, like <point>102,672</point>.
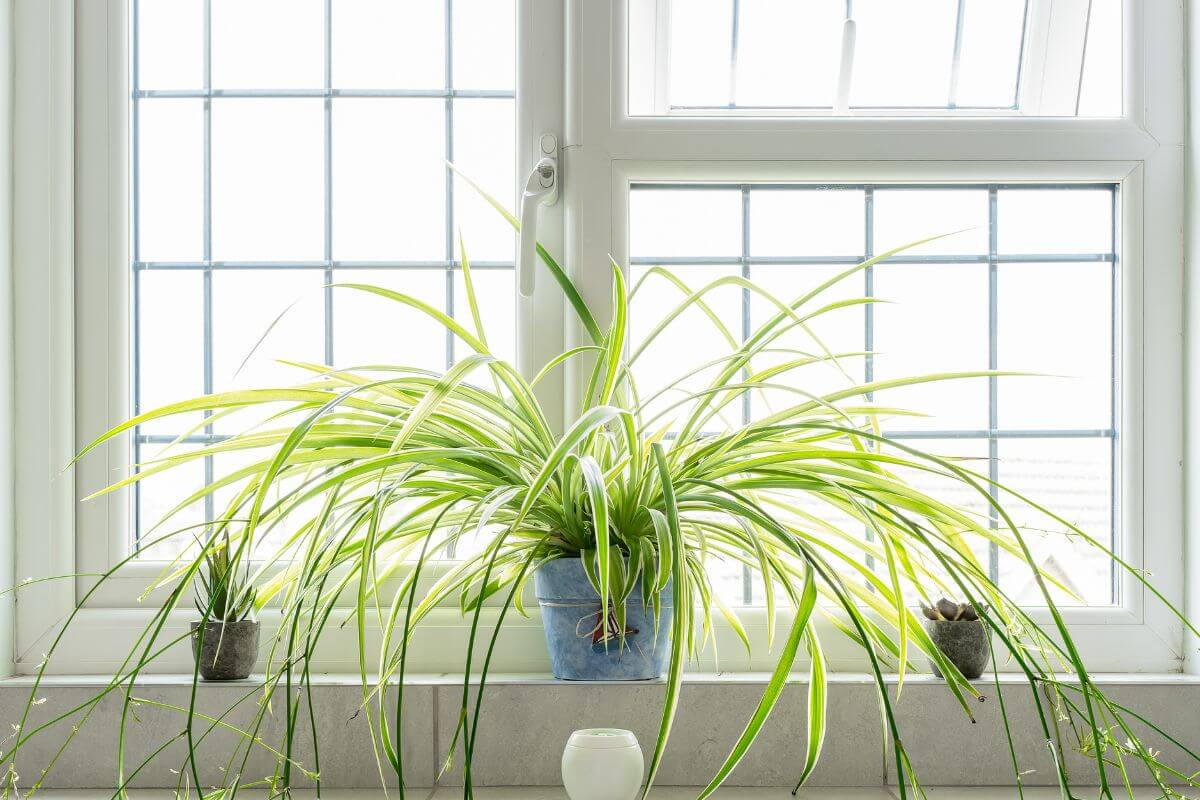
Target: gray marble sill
<point>511,679</point>
<point>662,793</point>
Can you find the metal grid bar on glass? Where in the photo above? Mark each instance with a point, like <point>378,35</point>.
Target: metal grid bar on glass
<point>328,264</point>
<point>952,103</point>
<point>994,434</point>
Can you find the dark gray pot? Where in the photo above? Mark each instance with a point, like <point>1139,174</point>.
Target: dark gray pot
<point>229,649</point>
<point>963,642</point>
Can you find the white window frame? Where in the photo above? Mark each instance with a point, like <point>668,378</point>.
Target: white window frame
<point>572,79</point>
<point>610,149</point>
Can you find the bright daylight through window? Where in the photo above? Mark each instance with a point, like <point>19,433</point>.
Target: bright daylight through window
<point>259,181</point>
<point>265,173</point>
<point>867,57</point>
<point>1028,284</point>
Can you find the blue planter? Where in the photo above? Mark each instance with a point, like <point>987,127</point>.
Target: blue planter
<point>571,618</point>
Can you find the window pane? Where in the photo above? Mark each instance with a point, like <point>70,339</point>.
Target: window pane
<point>948,306</point>
<point>701,37</point>
<point>170,180</point>
<point>831,344</point>
<point>389,182</point>
<point>170,44</point>
<point>382,44</point>
<point>170,344</point>
<point>893,57</point>
<point>268,44</point>
<point>673,223</point>
<point>990,59</point>
<point>933,320</point>
<point>159,494</point>
<point>484,140</point>
<point>788,52</point>
<point>904,53</point>
<point>495,293</point>
<point>369,329</point>
<point>659,369</point>
<point>1100,89</point>
<point>1046,221</point>
<point>958,216</point>
<point>1073,477</point>
<point>265,315</point>
<point>485,44</point>
<point>1056,320</point>
<point>267,179</point>
<point>821,222</point>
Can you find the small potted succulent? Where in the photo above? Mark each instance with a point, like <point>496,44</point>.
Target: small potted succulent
<point>225,638</point>
<point>958,631</point>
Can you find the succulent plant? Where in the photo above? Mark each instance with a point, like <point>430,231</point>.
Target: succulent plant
<point>950,611</point>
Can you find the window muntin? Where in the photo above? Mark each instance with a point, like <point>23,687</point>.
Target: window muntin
<point>269,162</point>
<point>875,57</point>
<point>1017,289</point>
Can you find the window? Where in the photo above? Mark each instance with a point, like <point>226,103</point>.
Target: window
<point>854,57</point>
<point>231,159</point>
<point>262,176</point>
<point>1026,283</point>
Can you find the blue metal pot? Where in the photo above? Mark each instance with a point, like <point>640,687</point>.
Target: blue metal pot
<point>572,620</point>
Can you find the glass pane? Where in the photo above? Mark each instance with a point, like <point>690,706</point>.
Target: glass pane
<point>268,44</point>
<point>991,53</point>
<point>495,292</point>
<point>1055,221</point>
<point>788,52</point>
<point>170,180</point>
<point>817,222</point>
<point>1100,87</point>
<point>484,149</point>
<point>934,321</point>
<point>485,44</point>
<point>170,344</point>
<point>382,44</point>
<point>158,494</point>
<point>276,532</point>
<point>701,41</point>
<point>1056,320</point>
<point>967,454</point>
<point>906,57</point>
<point>904,216</point>
<point>675,358</point>
<point>170,36</point>
<point>904,53</point>
<point>830,345</point>
<point>268,180</point>
<point>673,223</point>
<point>389,179</point>
<point>1073,477</point>
<point>261,317</point>
<point>369,329</point>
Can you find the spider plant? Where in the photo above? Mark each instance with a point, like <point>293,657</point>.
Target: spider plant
<point>224,592</point>
<point>359,479</point>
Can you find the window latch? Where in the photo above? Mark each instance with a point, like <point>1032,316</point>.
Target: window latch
<point>541,189</point>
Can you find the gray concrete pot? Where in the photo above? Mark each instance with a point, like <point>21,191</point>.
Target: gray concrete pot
<point>963,642</point>
<point>229,649</point>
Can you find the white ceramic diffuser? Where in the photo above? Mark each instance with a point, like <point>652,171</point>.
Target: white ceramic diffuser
<point>602,764</point>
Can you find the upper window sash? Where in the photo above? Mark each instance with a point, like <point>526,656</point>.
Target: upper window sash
<point>958,58</point>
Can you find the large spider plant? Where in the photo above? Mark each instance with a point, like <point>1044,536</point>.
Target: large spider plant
<point>360,478</point>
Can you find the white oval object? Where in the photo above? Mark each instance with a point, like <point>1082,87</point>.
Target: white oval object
<point>602,764</point>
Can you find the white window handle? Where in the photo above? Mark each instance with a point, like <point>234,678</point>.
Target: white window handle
<point>540,190</point>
